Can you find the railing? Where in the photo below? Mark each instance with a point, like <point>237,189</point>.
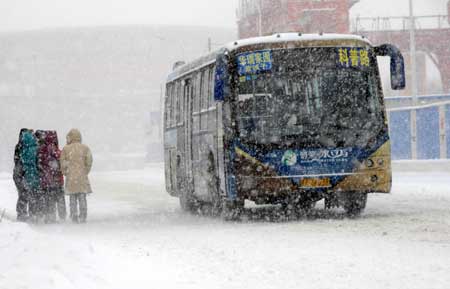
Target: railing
<point>363,24</point>
<point>399,102</point>
<point>420,97</point>
<point>432,125</point>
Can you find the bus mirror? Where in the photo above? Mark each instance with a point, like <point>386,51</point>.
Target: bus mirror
<point>221,77</point>
<point>398,78</point>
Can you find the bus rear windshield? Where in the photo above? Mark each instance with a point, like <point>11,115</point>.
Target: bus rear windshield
<point>310,97</point>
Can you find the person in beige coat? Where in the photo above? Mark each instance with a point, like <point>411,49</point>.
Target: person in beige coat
<point>76,163</point>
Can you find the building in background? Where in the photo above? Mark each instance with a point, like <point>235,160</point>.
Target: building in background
<point>265,17</point>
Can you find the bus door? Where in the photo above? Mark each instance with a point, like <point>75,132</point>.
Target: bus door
<point>187,119</point>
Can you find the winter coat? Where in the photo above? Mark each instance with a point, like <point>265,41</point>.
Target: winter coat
<point>18,176</point>
<point>28,157</point>
<point>76,163</point>
<point>18,173</point>
<point>19,146</point>
<point>48,162</point>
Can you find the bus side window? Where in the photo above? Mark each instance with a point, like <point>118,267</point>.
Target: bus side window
<point>205,82</point>
<point>196,82</point>
<point>196,117</point>
<point>200,96</point>
<point>177,104</point>
<point>169,106</point>
<point>166,105</point>
<point>181,89</point>
<point>204,101</point>
<point>211,86</point>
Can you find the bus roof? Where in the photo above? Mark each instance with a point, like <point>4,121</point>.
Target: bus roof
<point>278,38</point>
<point>291,37</point>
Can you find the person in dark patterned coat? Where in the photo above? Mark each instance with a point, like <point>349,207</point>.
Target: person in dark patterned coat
<point>31,179</point>
<point>52,180</point>
<point>18,177</point>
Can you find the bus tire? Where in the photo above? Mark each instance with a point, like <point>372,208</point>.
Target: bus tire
<point>354,203</point>
<point>232,210</point>
<point>216,205</point>
<point>331,201</point>
<point>305,208</point>
<point>214,188</point>
<point>187,202</point>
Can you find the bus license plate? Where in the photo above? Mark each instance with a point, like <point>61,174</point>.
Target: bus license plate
<point>316,183</point>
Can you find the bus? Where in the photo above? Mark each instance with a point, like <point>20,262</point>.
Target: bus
<point>286,119</point>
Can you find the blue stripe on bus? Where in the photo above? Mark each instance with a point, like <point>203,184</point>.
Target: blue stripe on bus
<point>328,161</point>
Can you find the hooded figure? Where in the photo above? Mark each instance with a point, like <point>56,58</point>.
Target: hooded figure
<point>18,177</point>
<point>40,136</point>
<point>28,157</point>
<point>49,166</point>
<point>31,180</point>
<point>51,176</point>
<point>76,163</point>
<point>19,145</point>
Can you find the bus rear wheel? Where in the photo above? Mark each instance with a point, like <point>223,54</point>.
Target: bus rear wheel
<point>232,210</point>
<point>354,203</point>
<point>188,202</point>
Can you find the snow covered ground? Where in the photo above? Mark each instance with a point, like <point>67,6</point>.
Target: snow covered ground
<point>137,237</point>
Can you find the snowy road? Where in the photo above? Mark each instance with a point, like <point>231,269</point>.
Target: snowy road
<point>137,237</point>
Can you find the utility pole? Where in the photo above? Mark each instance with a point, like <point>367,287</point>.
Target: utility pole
<point>209,44</point>
<point>412,46</point>
<point>412,41</point>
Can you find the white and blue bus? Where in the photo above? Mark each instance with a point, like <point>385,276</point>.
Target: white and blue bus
<point>286,119</point>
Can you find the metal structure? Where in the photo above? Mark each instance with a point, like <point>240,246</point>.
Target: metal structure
<point>432,36</point>
<point>432,127</point>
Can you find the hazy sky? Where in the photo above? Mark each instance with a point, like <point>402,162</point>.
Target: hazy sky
<point>32,14</point>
